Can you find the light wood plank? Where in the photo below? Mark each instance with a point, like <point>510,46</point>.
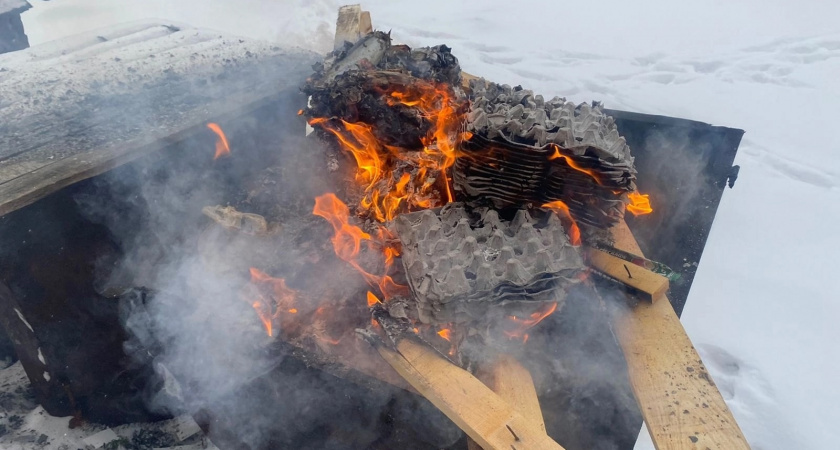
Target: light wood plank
<point>483,415</point>
<point>347,27</point>
<point>680,403</point>
<point>365,24</point>
<point>639,281</point>
<point>508,378</point>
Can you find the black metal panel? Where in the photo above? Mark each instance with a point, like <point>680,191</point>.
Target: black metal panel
<point>684,165</point>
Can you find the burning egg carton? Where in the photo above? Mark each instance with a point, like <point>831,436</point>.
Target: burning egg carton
<point>519,116</point>
<point>459,264</point>
<point>512,158</point>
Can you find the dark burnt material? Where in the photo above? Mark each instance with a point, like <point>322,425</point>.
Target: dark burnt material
<point>354,82</point>
<point>526,150</point>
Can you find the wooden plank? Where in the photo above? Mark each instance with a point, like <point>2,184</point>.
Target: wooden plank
<point>514,384</point>
<point>365,24</point>
<point>79,107</point>
<point>680,403</point>
<point>508,378</point>
<point>483,415</point>
<point>347,27</point>
<point>50,176</point>
<point>639,281</point>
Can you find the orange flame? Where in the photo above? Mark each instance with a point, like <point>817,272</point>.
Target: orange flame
<point>639,204</point>
<point>347,243</point>
<point>389,187</point>
<point>523,325</point>
<point>572,164</point>
<point>445,333</point>
<point>371,299</point>
<point>222,147</point>
<point>283,299</point>
<point>562,210</point>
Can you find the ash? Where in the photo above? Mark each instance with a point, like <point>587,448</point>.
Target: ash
<point>461,264</point>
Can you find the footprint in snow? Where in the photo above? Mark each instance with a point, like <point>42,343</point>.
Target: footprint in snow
<point>736,380</point>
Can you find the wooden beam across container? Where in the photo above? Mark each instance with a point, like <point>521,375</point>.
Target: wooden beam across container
<point>486,418</point>
<point>681,405</point>
<point>638,280</point>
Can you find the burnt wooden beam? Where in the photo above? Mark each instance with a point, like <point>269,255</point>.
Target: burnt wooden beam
<point>681,405</point>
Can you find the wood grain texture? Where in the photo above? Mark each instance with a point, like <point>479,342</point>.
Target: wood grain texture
<point>365,24</point>
<point>348,25</point>
<point>74,108</point>
<point>681,406</point>
<point>483,415</point>
<point>639,281</point>
<point>508,378</point>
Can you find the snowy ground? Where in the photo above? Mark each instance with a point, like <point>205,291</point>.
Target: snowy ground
<point>761,309</point>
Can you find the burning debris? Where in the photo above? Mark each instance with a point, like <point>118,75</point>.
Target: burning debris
<point>413,141</point>
<point>460,265</point>
<point>525,149</point>
<point>459,217</point>
<point>399,113</point>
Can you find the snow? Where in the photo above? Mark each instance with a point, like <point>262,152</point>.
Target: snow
<point>13,5</point>
<point>761,311</point>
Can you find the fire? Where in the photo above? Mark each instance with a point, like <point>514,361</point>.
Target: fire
<point>222,147</point>
<point>562,210</point>
<point>639,204</point>
<point>396,179</point>
<point>521,325</point>
<point>572,164</point>
<point>372,300</point>
<point>283,299</point>
<point>445,333</point>
<point>347,243</point>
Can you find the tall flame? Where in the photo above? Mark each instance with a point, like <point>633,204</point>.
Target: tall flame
<point>222,147</point>
<point>389,187</point>
<point>639,204</point>
<point>347,243</point>
<point>562,210</point>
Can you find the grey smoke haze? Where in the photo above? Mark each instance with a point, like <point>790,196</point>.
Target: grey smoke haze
<point>206,341</point>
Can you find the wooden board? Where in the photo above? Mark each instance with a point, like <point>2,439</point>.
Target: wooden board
<point>638,280</point>
<point>508,378</point>
<point>348,26</point>
<point>365,24</point>
<point>73,109</point>
<point>682,407</point>
<point>483,415</point>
